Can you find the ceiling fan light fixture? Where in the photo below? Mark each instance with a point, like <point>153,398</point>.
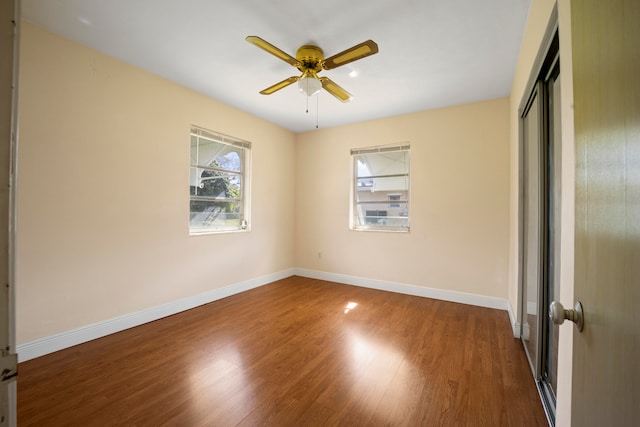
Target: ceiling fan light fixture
<point>310,61</point>
<point>309,85</point>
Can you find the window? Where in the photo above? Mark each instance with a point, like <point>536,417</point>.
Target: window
<point>381,188</point>
<point>218,185</point>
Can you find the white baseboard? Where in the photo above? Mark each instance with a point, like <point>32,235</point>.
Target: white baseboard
<point>515,325</point>
<point>50,344</point>
<point>402,288</point>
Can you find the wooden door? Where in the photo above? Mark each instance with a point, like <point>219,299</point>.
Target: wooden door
<point>606,355</point>
<point>8,83</point>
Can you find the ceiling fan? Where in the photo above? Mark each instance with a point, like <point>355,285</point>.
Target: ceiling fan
<point>310,61</point>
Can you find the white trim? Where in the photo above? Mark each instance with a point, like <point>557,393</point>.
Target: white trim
<point>515,325</point>
<point>50,344</point>
<point>402,288</point>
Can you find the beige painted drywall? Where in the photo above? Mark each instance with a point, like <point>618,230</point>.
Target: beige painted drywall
<point>103,191</point>
<point>102,183</point>
<point>459,203</point>
<point>539,17</point>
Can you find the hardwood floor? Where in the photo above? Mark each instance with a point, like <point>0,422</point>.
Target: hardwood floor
<point>287,354</point>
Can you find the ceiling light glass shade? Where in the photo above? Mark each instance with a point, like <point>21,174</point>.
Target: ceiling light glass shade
<point>309,85</point>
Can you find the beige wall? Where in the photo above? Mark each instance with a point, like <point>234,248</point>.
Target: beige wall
<point>103,191</point>
<point>459,207</point>
<point>539,17</point>
<point>103,229</point>
<point>103,223</point>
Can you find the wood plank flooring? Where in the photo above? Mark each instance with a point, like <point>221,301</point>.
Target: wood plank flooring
<point>287,354</point>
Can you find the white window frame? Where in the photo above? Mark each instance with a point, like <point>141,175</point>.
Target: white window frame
<point>244,197</point>
<point>358,206</point>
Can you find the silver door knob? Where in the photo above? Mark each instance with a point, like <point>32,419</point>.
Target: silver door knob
<point>558,314</point>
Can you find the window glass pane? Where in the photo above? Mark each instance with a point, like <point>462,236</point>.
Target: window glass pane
<point>219,215</point>
<point>376,164</point>
<point>380,197</point>
<point>217,182</point>
<point>391,215</point>
<point>205,152</point>
<point>194,150</point>
<point>381,188</point>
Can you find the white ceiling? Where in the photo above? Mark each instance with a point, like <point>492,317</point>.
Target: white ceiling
<point>433,53</point>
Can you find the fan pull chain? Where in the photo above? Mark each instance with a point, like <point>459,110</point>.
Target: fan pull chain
<point>317,108</point>
<point>307,96</point>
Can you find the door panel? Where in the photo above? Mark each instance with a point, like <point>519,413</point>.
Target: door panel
<point>606,65</point>
<point>541,130</point>
<point>554,194</point>
<point>532,220</point>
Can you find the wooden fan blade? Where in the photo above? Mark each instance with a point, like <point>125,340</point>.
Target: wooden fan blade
<point>280,85</point>
<point>265,45</point>
<point>354,53</point>
<point>335,90</point>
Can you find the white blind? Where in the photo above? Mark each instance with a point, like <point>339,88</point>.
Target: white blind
<point>404,146</point>
<point>220,137</point>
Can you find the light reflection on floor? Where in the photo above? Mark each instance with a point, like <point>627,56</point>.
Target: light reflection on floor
<point>371,363</point>
<point>350,306</point>
<point>219,377</point>
<point>380,369</point>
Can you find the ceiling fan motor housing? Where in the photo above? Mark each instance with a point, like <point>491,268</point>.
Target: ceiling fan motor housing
<point>311,58</point>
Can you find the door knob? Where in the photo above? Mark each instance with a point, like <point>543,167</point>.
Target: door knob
<point>558,314</point>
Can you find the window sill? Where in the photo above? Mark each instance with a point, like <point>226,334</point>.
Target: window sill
<point>209,232</point>
<point>381,230</point>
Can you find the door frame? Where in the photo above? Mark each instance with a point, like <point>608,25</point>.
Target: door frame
<point>8,166</point>
<point>557,16</point>
<point>542,61</point>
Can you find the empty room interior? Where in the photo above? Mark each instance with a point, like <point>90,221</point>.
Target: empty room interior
<point>353,246</point>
